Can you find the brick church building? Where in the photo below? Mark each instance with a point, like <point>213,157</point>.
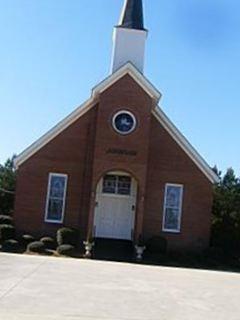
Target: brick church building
<point>117,167</point>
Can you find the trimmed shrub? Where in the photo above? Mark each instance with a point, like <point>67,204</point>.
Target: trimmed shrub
<point>36,246</point>
<point>11,245</point>
<point>66,250</point>
<point>67,236</point>
<point>4,219</point>
<point>7,232</point>
<point>26,239</point>
<point>48,242</point>
<point>157,245</point>
<point>214,255</point>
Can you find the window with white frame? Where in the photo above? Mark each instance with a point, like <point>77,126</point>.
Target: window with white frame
<point>116,184</point>
<point>172,208</point>
<point>56,196</point>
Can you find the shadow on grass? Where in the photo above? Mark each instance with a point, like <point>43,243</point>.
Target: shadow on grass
<point>193,261</point>
<point>205,261</point>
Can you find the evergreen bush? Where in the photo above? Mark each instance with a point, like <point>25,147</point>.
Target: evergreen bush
<point>26,239</point>
<point>7,232</point>
<point>36,247</point>
<point>225,233</point>
<point>67,236</point>
<point>11,245</point>
<point>157,245</point>
<point>66,250</point>
<point>49,243</point>
<point>5,219</point>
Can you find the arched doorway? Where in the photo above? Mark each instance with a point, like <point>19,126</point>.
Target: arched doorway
<point>114,216</point>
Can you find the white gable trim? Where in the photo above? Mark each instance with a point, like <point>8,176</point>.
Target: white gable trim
<point>128,68</point>
<point>51,134</point>
<point>185,145</point>
<point>141,80</point>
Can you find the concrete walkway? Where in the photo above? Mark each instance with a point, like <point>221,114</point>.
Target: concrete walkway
<point>54,289</point>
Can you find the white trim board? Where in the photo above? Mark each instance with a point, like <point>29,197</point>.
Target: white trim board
<point>185,145</point>
<point>128,68</point>
<point>55,131</point>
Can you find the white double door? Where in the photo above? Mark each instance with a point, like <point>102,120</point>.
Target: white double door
<point>115,213</point>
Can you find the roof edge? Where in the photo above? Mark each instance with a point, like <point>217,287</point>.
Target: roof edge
<point>185,145</point>
<point>128,68</point>
<point>52,133</point>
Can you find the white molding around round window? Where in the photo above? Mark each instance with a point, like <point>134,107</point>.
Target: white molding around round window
<point>128,122</point>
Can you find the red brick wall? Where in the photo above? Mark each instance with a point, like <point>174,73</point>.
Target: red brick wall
<point>169,164</point>
<point>81,152</point>
<point>126,94</point>
<point>69,153</point>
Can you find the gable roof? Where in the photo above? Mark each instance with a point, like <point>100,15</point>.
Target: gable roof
<point>128,68</point>
<point>157,112</point>
<point>131,70</point>
<point>185,145</point>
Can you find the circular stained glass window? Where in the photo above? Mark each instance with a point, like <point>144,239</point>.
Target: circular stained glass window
<point>124,122</point>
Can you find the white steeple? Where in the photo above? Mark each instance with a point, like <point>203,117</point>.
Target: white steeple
<point>129,37</point>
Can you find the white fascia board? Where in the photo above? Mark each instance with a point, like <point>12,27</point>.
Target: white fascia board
<point>77,113</point>
<point>128,68</point>
<point>51,134</point>
<point>185,145</point>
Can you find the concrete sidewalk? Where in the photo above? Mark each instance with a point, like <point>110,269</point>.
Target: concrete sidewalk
<point>47,288</point>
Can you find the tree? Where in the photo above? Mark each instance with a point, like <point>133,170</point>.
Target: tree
<point>226,213</point>
<point>7,186</point>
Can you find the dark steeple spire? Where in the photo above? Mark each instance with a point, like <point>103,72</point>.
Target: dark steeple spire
<point>132,15</point>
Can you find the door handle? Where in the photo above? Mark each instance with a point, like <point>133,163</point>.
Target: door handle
<point>133,207</point>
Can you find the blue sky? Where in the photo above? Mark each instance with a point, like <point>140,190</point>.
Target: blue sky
<point>54,51</point>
